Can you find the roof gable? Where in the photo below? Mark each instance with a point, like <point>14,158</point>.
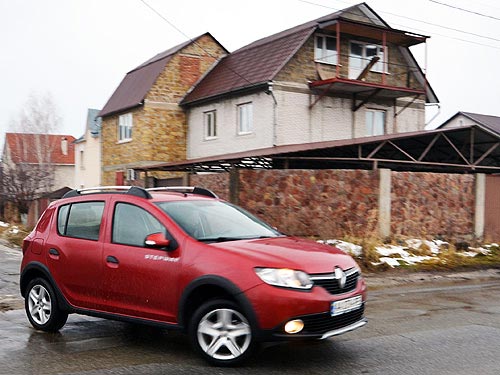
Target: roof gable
<point>40,148</point>
<point>135,86</point>
<point>249,66</point>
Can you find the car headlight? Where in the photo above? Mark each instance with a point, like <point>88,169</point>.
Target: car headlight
<point>285,277</point>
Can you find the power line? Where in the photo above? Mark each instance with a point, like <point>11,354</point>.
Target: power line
<point>465,10</point>
<point>417,29</point>
<point>193,41</point>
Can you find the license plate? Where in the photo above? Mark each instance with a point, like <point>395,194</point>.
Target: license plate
<point>345,305</point>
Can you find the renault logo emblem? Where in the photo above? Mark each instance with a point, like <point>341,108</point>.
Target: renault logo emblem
<point>340,277</point>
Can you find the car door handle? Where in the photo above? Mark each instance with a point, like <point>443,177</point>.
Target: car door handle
<point>112,259</point>
<point>54,252</point>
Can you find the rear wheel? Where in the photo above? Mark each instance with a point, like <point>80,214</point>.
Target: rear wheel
<point>221,333</point>
<point>41,307</point>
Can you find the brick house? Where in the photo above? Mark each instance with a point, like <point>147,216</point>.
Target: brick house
<point>342,76</point>
<point>142,122</point>
<point>346,75</point>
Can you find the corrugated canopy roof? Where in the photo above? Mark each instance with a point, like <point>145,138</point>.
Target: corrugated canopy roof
<point>456,150</point>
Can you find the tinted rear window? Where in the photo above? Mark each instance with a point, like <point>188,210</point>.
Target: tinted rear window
<point>80,220</point>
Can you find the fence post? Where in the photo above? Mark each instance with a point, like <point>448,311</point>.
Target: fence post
<point>234,185</point>
<point>479,209</point>
<point>384,202</point>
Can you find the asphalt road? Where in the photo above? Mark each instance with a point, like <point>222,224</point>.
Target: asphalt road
<point>421,325</point>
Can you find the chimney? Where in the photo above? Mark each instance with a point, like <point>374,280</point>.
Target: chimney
<point>64,145</point>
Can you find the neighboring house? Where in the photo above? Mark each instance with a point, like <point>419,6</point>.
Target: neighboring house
<point>88,153</point>
<point>34,166</point>
<point>53,151</point>
<point>468,118</point>
<point>346,75</point>
<point>142,122</point>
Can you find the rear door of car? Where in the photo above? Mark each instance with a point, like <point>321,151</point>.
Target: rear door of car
<point>74,251</point>
<point>139,281</point>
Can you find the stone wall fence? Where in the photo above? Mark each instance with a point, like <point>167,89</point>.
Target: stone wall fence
<point>362,203</point>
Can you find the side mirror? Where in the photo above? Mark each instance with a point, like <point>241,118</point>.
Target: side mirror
<point>157,240</point>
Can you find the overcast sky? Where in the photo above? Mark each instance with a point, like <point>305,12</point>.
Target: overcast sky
<point>78,51</point>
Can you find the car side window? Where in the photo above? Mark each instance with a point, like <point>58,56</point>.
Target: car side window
<point>132,224</point>
<point>80,220</point>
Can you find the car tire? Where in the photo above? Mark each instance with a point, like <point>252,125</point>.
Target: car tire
<point>221,333</point>
<point>41,306</point>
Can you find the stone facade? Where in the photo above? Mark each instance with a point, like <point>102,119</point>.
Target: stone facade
<point>432,204</point>
<point>339,203</point>
<point>159,125</point>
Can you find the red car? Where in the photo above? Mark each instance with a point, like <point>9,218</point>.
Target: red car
<point>181,258</point>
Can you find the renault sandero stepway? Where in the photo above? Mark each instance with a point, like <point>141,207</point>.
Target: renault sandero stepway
<point>181,258</point>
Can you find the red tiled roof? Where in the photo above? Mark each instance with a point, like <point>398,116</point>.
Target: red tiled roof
<point>39,148</point>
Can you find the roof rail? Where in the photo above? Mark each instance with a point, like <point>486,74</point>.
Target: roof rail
<point>187,189</point>
<point>131,190</point>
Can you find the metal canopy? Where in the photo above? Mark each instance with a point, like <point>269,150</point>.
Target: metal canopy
<point>467,149</point>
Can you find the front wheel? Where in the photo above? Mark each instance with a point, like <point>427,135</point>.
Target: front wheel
<point>221,333</point>
<point>41,307</point>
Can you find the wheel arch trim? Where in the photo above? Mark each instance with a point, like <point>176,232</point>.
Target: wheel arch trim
<point>39,268</point>
<point>226,285</point>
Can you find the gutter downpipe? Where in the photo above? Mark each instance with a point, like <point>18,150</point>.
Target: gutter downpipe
<point>275,105</point>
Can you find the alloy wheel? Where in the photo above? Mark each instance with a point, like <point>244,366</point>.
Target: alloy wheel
<point>224,334</point>
<point>40,304</point>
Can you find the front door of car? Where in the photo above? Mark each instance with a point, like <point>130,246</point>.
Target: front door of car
<point>139,280</point>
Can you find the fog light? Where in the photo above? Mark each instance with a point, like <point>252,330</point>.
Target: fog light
<point>294,326</point>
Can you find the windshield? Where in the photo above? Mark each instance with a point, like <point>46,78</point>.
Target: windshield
<point>215,221</point>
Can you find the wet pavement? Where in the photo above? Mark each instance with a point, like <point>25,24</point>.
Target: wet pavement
<point>421,324</point>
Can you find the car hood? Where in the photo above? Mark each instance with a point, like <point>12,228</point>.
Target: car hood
<point>288,252</point>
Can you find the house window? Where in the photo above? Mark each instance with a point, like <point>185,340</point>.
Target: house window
<point>125,127</point>
<point>375,122</point>
<point>360,56</point>
<point>245,118</point>
<point>325,50</point>
<point>210,124</point>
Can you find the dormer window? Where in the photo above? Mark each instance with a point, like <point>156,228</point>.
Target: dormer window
<point>360,56</point>
<point>325,50</point>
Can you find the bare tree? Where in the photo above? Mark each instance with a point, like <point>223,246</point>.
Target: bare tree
<point>27,167</point>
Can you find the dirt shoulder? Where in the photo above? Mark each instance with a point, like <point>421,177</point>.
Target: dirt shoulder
<point>380,280</point>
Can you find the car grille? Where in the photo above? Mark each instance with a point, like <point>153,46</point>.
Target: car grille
<point>332,285</point>
<point>322,323</point>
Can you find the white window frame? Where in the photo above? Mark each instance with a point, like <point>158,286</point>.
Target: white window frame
<point>380,66</point>
<point>125,124</point>
<point>373,124</point>
<point>323,54</point>
<point>210,124</point>
<point>245,118</point>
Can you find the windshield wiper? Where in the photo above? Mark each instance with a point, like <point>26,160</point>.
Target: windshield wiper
<point>220,239</point>
<point>224,239</point>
